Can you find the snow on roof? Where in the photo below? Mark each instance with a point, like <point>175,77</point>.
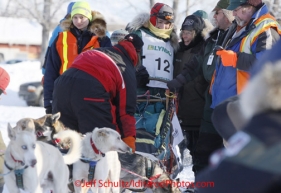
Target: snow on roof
<point>20,31</point>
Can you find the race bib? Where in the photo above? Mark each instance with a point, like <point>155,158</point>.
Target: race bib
<point>158,60</point>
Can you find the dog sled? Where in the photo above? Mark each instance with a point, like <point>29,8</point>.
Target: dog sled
<point>158,133</point>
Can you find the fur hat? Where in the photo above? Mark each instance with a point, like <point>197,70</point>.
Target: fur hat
<point>228,14</point>
<point>83,8</point>
<point>236,3</point>
<point>135,40</point>
<point>4,80</point>
<point>117,35</point>
<point>162,11</point>
<point>97,25</point>
<point>192,22</point>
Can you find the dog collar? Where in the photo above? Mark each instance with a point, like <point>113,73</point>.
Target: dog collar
<point>39,134</point>
<point>95,148</point>
<point>19,161</point>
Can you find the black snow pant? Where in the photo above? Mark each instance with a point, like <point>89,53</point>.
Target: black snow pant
<point>190,139</point>
<point>208,141</point>
<point>82,101</point>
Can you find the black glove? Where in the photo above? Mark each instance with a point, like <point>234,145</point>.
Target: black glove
<point>175,84</point>
<point>48,110</point>
<point>142,77</point>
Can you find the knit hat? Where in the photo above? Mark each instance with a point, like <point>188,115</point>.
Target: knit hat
<point>117,35</point>
<point>162,11</point>
<point>135,40</point>
<point>236,3</point>
<point>83,8</point>
<point>193,22</point>
<point>201,13</point>
<point>4,80</point>
<point>222,4</point>
<point>228,14</point>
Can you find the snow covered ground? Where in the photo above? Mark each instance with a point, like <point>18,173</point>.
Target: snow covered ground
<point>13,108</point>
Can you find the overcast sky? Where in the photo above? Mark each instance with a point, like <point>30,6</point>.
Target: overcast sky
<point>124,10</point>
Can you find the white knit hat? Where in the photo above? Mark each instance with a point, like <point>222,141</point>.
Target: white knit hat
<point>228,14</point>
<point>117,35</point>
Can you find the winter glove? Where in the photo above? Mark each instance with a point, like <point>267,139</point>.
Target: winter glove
<point>175,84</point>
<point>131,142</point>
<point>228,57</point>
<point>142,77</point>
<point>48,110</point>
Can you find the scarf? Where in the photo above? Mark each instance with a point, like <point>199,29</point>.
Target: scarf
<point>162,33</point>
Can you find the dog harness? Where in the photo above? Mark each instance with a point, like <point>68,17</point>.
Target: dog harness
<point>18,173</point>
<point>92,164</point>
<point>149,168</point>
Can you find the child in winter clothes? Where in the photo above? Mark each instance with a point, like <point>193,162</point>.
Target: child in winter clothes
<point>83,30</point>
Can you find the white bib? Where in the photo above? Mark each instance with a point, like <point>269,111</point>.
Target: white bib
<point>158,60</point>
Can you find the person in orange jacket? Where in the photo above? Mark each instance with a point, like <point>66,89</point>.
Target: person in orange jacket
<point>84,29</point>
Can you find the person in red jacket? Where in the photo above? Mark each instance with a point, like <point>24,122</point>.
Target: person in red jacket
<point>4,82</point>
<point>99,90</point>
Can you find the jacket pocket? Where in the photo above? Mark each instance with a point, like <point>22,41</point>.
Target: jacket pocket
<point>94,99</point>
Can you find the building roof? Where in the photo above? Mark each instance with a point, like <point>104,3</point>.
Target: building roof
<point>20,31</point>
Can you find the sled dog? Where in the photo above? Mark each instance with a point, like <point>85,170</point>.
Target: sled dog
<point>146,173</point>
<point>99,147</point>
<point>45,127</point>
<point>40,161</point>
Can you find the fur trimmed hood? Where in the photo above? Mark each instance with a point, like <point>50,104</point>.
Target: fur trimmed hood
<point>96,26</point>
<point>207,29</point>
<point>263,92</point>
<point>142,20</point>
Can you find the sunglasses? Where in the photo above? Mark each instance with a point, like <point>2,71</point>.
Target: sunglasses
<point>218,12</point>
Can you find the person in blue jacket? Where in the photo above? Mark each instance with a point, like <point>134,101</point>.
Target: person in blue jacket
<point>251,161</point>
<point>253,32</point>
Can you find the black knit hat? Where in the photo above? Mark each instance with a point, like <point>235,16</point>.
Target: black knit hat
<point>135,40</point>
<point>193,22</point>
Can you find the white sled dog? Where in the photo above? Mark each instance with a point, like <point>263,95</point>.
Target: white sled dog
<point>42,163</point>
<point>99,147</point>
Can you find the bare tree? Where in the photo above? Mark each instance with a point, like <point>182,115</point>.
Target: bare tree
<point>43,11</point>
<point>151,3</point>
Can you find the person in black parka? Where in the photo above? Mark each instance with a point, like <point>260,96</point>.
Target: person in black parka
<point>99,90</point>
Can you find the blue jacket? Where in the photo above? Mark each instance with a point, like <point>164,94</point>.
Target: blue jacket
<point>225,78</point>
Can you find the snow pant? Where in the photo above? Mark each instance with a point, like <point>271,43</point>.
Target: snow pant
<point>82,101</point>
<point>208,141</point>
<point>190,139</point>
